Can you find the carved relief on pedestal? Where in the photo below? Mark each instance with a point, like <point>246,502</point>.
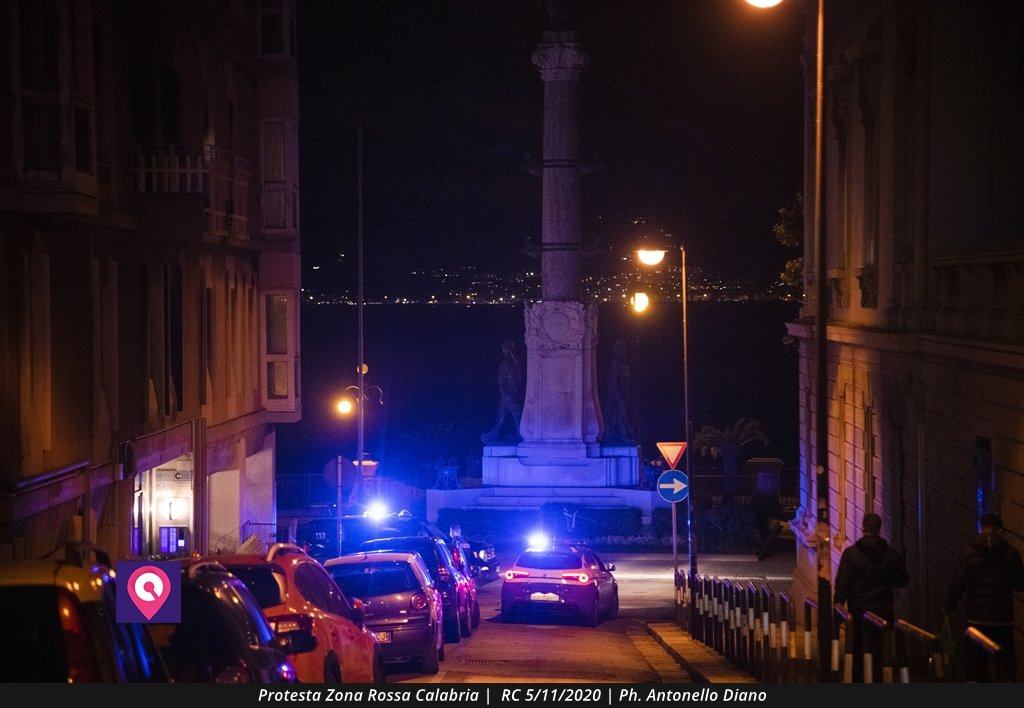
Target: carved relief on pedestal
<point>560,325</point>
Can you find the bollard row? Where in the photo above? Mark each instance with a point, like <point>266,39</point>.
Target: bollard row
<point>757,630</point>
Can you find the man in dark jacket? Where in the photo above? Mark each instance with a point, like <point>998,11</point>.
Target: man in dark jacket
<point>989,570</point>
<point>868,572</point>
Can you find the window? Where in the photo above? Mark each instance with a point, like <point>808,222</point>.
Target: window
<point>272,27</point>
<point>170,106</point>
<point>316,586</point>
<point>293,37</point>
<point>548,560</point>
<point>42,137</point>
<point>40,43</point>
<point>173,345</point>
<point>277,324</point>
<point>83,139</point>
<point>205,339</point>
<point>985,474</point>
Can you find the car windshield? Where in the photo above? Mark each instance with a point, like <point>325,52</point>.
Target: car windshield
<point>31,641</point>
<point>265,582</point>
<point>549,560</point>
<point>372,579</point>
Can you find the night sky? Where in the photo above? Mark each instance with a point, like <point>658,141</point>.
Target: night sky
<point>690,109</point>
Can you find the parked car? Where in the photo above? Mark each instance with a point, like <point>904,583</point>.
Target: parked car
<point>402,606</point>
<point>295,592</point>
<point>58,624</point>
<point>561,578</point>
<point>477,558</point>
<point>223,636</point>
<point>458,591</point>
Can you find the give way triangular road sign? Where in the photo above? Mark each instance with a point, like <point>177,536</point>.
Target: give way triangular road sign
<point>672,452</point>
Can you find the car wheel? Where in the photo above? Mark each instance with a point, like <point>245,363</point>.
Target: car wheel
<point>465,624</point>
<point>440,653</point>
<point>507,614</point>
<point>613,612</point>
<point>593,618</point>
<point>332,672</point>
<point>430,663</point>
<point>452,635</point>
<point>380,672</point>
<point>476,614</point>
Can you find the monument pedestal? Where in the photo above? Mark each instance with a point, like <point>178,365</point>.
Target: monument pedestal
<point>591,465</point>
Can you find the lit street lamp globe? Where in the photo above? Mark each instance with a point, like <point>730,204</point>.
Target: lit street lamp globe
<point>640,302</point>
<point>763,4</point>
<point>345,406</point>
<point>650,257</point>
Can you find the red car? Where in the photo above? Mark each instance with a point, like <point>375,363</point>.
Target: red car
<point>295,592</point>
<point>568,579</point>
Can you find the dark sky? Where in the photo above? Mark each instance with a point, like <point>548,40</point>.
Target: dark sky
<point>691,108</point>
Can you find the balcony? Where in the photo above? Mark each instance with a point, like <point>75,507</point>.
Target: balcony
<point>208,179</point>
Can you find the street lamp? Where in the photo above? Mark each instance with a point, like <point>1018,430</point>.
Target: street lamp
<point>820,340</point>
<point>640,302</point>
<point>652,257</point>
<point>345,406</point>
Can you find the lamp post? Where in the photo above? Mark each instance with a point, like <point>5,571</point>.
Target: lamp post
<point>824,562</point>
<point>652,257</point>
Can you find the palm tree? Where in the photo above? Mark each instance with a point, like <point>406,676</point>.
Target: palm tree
<point>728,443</point>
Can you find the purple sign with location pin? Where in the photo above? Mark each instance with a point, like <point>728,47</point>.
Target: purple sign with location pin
<point>148,591</point>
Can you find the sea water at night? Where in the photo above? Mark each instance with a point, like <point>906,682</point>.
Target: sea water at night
<point>437,366</point>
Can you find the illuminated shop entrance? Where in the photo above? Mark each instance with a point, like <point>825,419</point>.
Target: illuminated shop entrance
<point>162,510</point>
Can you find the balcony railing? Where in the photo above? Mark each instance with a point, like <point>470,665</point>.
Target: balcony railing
<point>223,179</point>
<point>163,169</point>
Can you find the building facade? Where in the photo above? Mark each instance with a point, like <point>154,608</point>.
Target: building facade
<point>925,250</point>
<point>149,271</point>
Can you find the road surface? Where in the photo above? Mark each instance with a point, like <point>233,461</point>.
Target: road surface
<point>616,651</point>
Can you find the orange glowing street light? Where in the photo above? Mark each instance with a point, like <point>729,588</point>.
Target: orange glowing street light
<point>345,406</point>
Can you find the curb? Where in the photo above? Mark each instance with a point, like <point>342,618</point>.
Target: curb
<point>703,665</point>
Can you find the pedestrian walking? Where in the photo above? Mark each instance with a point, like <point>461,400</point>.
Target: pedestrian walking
<point>988,572</point>
<point>868,573</point>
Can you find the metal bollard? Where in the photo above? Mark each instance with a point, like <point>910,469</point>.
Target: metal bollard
<point>769,628</point>
<point>877,648</point>
<point>740,595</point>
<point>786,645</point>
<point>903,631</point>
<point>810,612</point>
<point>842,645</point>
<point>993,652</point>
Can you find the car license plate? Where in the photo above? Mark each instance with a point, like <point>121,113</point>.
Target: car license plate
<point>382,637</point>
<point>544,597</point>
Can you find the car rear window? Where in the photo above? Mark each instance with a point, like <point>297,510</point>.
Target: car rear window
<point>264,581</point>
<point>372,579</point>
<point>31,641</point>
<point>548,560</point>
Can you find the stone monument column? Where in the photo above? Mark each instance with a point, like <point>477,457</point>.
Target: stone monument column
<point>561,414</point>
<point>561,423</point>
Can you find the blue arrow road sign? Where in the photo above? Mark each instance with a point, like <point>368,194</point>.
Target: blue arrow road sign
<point>673,486</point>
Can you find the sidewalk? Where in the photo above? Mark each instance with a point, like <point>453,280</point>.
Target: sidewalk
<point>703,665</point>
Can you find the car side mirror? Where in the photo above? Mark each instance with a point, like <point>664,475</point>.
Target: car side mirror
<point>358,612</point>
<point>610,567</point>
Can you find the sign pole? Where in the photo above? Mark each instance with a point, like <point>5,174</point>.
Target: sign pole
<point>674,486</point>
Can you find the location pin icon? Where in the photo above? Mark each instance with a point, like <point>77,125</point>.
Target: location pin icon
<point>148,588</point>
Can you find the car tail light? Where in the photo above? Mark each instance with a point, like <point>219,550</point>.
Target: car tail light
<point>290,623</point>
<point>513,574</point>
<point>78,650</point>
<point>418,601</point>
<point>578,577</point>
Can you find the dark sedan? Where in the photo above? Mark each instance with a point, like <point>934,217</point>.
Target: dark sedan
<point>458,591</point>
<point>401,605</point>
<point>567,579</point>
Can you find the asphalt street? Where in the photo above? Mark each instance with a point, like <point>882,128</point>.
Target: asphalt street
<point>616,651</point>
